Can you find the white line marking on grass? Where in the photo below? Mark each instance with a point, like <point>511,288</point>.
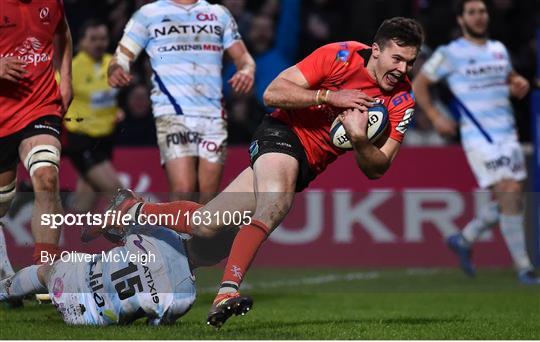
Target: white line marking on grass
<point>314,280</point>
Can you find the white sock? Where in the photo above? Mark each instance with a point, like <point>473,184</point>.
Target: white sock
<point>5,266</point>
<point>486,219</point>
<point>228,287</point>
<point>26,281</point>
<point>512,230</point>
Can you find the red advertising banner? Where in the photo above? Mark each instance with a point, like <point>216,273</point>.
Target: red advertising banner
<point>342,219</point>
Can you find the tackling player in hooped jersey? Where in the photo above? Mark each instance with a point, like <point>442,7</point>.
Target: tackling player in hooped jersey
<point>149,276</point>
<point>293,145</point>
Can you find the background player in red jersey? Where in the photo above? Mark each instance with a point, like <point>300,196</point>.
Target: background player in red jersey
<point>31,105</point>
<point>293,145</point>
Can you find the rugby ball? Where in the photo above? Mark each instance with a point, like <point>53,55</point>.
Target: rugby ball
<point>377,122</point>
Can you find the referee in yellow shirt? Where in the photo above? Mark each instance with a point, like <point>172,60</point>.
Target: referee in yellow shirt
<point>91,119</point>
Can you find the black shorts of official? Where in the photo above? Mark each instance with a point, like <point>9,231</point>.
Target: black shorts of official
<point>9,145</point>
<point>275,136</point>
<point>85,151</point>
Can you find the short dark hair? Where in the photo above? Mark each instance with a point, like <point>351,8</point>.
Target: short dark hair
<point>93,22</point>
<point>459,6</point>
<point>403,31</point>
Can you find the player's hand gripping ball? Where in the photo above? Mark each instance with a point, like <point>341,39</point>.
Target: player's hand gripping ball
<point>377,122</point>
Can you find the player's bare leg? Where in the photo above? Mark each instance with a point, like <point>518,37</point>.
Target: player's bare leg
<point>182,176</point>
<point>8,187</point>
<point>238,197</point>
<point>101,178</point>
<point>209,175</point>
<point>509,194</point>
<point>275,176</point>
<point>29,280</point>
<point>41,153</point>
<point>461,243</point>
<point>83,199</point>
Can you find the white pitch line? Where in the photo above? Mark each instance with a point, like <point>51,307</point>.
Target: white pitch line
<point>315,280</point>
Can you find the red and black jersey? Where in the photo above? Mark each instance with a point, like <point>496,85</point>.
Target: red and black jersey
<point>27,29</point>
<point>342,66</point>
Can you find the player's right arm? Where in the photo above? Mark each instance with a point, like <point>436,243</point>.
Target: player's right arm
<point>296,88</point>
<point>12,69</point>
<point>133,41</point>
<point>433,70</point>
<point>118,75</point>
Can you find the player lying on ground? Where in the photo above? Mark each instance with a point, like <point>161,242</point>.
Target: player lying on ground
<point>292,145</point>
<point>159,285</point>
<point>479,73</point>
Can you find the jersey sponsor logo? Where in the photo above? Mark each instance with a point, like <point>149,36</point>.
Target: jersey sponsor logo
<point>206,17</point>
<point>151,284</point>
<point>189,137</point>
<point>503,162</point>
<point>485,69</point>
<point>172,29</point>
<point>96,284</point>
<point>190,47</point>
<point>29,52</point>
<point>401,98</point>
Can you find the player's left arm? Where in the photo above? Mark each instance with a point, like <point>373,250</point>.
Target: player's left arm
<point>63,52</point>
<point>519,86</point>
<point>373,159</point>
<point>242,80</point>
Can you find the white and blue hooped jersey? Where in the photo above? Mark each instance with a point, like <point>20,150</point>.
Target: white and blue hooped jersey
<point>185,44</point>
<point>162,289</point>
<point>477,75</point>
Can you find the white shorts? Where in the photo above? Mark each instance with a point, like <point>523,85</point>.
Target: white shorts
<point>492,163</point>
<point>70,293</point>
<point>184,136</point>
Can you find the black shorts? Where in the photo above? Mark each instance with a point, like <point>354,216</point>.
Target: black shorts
<point>275,136</point>
<point>85,151</point>
<point>9,145</point>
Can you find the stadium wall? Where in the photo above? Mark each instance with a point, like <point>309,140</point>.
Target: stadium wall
<point>343,219</point>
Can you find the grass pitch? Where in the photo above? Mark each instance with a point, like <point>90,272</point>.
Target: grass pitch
<point>331,304</point>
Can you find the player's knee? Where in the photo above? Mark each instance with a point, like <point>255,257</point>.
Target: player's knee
<point>7,194</point>
<point>512,187</point>
<point>42,157</point>
<point>204,232</point>
<point>45,179</point>
<point>183,190</point>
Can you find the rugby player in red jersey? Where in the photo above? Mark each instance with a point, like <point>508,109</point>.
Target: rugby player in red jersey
<point>292,146</point>
<point>34,38</point>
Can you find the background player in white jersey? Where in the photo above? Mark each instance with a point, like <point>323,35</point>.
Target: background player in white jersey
<point>93,290</point>
<point>185,40</point>
<point>479,73</point>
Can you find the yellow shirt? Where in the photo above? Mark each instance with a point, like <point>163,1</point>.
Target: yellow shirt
<point>93,110</point>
